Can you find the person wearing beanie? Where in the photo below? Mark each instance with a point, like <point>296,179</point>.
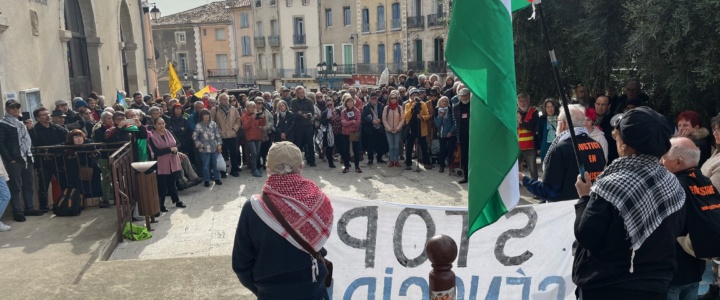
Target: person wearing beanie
<point>595,132</point>
<point>560,168</point>
<point>73,120</point>
<point>266,259</point>
<point>628,221</point>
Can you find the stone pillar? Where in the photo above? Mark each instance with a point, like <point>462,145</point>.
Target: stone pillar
<point>442,251</point>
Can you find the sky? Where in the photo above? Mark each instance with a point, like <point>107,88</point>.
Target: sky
<point>169,7</point>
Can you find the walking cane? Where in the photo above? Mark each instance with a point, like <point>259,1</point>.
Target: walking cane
<point>417,146</point>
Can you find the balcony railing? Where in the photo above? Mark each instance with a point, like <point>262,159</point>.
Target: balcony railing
<point>381,26</point>
<point>416,22</point>
<point>299,39</point>
<point>416,65</point>
<point>437,66</point>
<point>345,69</point>
<point>366,28</point>
<point>268,74</point>
<point>396,24</point>
<point>274,40</point>
<point>246,80</point>
<point>297,73</point>
<point>221,73</point>
<point>436,20</point>
<point>259,41</point>
<point>371,68</point>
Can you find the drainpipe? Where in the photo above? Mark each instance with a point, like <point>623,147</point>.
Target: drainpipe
<point>142,25</point>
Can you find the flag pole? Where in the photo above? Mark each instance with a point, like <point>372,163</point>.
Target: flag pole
<point>558,81</point>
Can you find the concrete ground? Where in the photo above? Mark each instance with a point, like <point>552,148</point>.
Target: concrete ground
<point>189,255</point>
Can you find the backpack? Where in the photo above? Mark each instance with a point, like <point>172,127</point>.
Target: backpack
<point>69,204</point>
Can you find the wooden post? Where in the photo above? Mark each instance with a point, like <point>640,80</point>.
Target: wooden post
<point>442,251</point>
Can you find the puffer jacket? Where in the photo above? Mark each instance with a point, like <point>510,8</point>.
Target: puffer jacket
<point>207,137</point>
<point>393,118</point>
<point>228,124</point>
<point>350,124</point>
<point>252,126</point>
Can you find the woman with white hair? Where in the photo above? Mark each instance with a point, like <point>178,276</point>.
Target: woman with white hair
<point>278,251</point>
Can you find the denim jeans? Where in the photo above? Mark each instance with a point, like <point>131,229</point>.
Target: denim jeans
<point>253,148</point>
<point>393,145</point>
<point>4,195</point>
<point>683,292</point>
<point>207,160</point>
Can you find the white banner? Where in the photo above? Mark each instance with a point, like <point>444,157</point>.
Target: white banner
<point>378,251</point>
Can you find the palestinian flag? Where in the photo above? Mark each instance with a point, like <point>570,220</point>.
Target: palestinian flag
<point>480,52</point>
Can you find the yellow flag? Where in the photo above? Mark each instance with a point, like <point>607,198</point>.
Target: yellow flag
<point>173,80</point>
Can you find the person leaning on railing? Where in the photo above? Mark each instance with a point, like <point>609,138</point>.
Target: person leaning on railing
<point>106,119</point>
<point>80,165</point>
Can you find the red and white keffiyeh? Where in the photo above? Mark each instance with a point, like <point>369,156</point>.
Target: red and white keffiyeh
<point>305,207</point>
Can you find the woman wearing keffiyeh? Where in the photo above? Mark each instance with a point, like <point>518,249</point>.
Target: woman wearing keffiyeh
<point>627,223</point>
<point>266,259</point>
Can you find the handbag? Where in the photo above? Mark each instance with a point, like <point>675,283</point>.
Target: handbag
<point>86,173</point>
<point>304,244</point>
<point>355,136</point>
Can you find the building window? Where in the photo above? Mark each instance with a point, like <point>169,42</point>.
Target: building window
<point>365,20</point>
<point>180,37</point>
<point>329,55</point>
<point>397,57</point>
<point>299,63</point>
<point>288,3</point>
<point>261,61</point>
<point>259,28</point>
<point>273,2</point>
<point>204,32</point>
<point>305,2</point>
<point>248,70</point>
<point>277,64</point>
<point>346,16</point>
<point>274,29</point>
<point>328,18</point>
<point>381,18</point>
<point>246,49</point>
<point>366,54</point>
<point>396,16</point>
<point>258,3</point>
<point>221,60</point>
<point>244,20</point>
<point>381,54</point>
<point>182,63</point>
<point>220,34</point>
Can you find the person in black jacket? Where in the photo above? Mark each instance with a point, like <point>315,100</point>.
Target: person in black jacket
<point>304,111</point>
<point>72,119</point>
<point>284,123</point>
<point>604,115</point>
<point>373,130</point>
<point>15,150</point>
<point>682,160</point>
<point>627,226</point>
<point>331,129</point>
<point>461,115</point>
<point>46,133</point>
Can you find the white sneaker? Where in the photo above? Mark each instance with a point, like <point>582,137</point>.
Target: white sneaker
<point>4,227</point>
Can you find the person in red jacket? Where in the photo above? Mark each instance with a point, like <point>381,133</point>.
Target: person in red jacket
<point>527,123</point>
<point>350,134</point>
<point>251,122</point>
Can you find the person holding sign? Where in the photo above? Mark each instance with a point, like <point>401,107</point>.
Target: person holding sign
<point>627,225</point>
<point>560,166</point>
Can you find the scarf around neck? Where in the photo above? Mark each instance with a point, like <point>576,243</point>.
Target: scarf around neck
<point>643,192</point>
<point>305,207</point>
<point>23,136</point>
<point>559,138</point>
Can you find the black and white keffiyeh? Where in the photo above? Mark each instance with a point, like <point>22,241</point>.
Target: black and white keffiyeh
<point>643,192</point>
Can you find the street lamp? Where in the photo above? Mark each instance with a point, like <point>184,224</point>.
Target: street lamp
<point>154,12</point>
<point>321,68</point>
<point>185,76</point>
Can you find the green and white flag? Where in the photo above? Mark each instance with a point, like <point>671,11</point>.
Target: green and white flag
<point>480,52</point>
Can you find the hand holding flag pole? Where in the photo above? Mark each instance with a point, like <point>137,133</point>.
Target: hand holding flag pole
<point>538,7</point>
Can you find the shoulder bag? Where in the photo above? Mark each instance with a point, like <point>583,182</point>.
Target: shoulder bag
<point>274,210</point>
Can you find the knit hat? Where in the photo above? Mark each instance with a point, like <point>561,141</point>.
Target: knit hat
<point>81,103</point>
<point>284,153</point>
<point>644,130</point>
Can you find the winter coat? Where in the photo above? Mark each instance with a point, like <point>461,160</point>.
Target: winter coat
<point>284,125</point>
<point>180,128</point>
<point>350,124</point>
<point>367,118</point>
<point>228,124</point>
<point>207,137</point>
<point>711,169</point>
<point>252,126</point>
<point>393,118</point>
<point>424,117</point>
<point>700,138</point>
<point>445,124</point>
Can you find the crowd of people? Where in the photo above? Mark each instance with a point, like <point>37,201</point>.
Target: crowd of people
<point>649,182</point>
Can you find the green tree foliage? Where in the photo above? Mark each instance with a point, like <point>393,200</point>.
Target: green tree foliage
<point>672,46</point>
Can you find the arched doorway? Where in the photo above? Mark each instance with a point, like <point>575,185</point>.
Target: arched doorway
<point>130,73</point>
<point>77,52</point>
